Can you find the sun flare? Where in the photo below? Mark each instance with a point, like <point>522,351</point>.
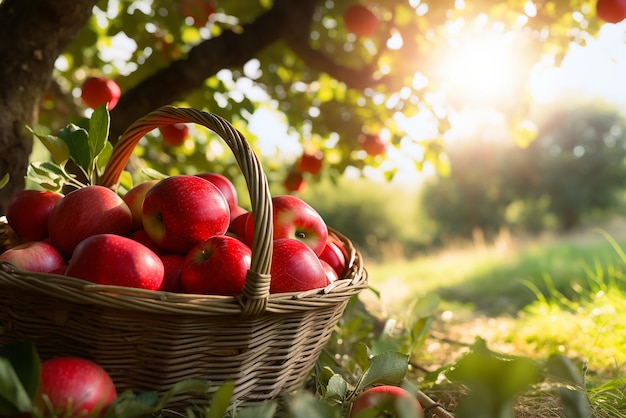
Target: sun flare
<point>481,68</point>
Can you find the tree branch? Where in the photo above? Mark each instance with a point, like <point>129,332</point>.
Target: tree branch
<point>230,50</point>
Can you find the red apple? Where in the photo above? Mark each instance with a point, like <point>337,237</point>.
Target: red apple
<point>97,91</point>
<point>236,211</point>
<point>173,266</point>
<point>134,199</point>
<point>331,274</point>
<point>387,399</point>
<point>84,212</point>
<point>217,266</point>
<point>115,260</point>
<point>225,185</point>
<point>611,11</point>
<point>27,213</point>
<point>182,211</point>
<point>311,162</point>
<point>294,182</point>
<point>242,227</point>
<point>142,237</point>
<point>294,218</point>
<point>198,10</point>
<point>174,135</point>
<point>360,21</point>
<point>35,256</point>
<point>295,267</point>
<point>74,387</point>
<point>334,256</point>
<point>372,144</point>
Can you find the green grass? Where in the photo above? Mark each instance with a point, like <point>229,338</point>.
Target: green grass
<point>563,296</point>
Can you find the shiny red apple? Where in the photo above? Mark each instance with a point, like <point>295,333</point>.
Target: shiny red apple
<point>74,387</point>
<point>85,212</point>
<point>97,91</point>
<point>182,211</point>
<point>35,256</point>
<point>27,213</point>
<point>173,266</point>
<point>134,199</point>
<point>294,218</point>
<point>217,266</point>
<point>333,254</point>
<point>225,185</point>
<point>295,267</point>
<point>115,260</point>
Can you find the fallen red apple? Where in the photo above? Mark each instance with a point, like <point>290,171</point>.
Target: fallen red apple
<point>174,135</point>
<point>74,387</point>
<point>217,266</point>
<point>225,185</point>
<point>294,218</point>
<point>35,256</point>
<point>182,211</point>
<point>611,11</point>
<point>84,212</point>
<point>360,20</point>
<point>295,267</point>
<point>311,162</point>
<point>115,260</point>
<point>97,91</point>
<point>27,213</point>
<point>134,199</point>
<point>385,400</point>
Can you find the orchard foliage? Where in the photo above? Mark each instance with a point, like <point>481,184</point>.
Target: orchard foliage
<point>297,58</point>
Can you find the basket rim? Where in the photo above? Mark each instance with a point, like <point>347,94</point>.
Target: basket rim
<point>71,290</point>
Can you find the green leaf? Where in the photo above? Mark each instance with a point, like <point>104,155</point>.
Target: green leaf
<point>4,180</point>
<point>14,397</point>
<point>26,363</point>
<point>77,140</point>
<point>562,368</point>
<point>103,157</point>
<point>336,388</point>
<point>221,399</point>
<point>48,175</point>
<point>387,368</point>
<point>574,402</point>
<point>56,146</point>
<point>98,130</point>
<point>305,405</point>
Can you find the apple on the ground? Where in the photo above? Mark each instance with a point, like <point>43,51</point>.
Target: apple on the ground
<point>295,267</point>
<point>85,212</point>
<point>27,213</point>
<point>74,387</point>
<point>35,256</point>
<point>97,91</point>
<point>134,199</point>
<point>115,260</point>
<point>386,399</point>
<point>182,211</point>
<point>217,266</point>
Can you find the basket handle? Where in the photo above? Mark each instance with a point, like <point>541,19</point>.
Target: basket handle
<point>256,289</point>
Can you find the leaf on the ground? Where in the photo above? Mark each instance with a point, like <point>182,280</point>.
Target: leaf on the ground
<point>387,368</point>
<point>221,399</point>
<point>574,403</point>
<point>563,369</point>
<point>306,405</point>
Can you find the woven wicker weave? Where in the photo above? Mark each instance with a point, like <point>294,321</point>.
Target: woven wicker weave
<point>149,340</point>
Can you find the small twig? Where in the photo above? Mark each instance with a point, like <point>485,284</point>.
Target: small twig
<point>431,406</point>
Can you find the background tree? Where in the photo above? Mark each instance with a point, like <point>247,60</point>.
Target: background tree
<point>331,85</point>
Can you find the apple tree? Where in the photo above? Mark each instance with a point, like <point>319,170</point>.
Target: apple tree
<point>336,79</point>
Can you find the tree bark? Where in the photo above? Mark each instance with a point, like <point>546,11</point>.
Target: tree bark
<point>32,35</point>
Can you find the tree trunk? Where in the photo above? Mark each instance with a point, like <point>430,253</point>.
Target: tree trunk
<point>32,35</point>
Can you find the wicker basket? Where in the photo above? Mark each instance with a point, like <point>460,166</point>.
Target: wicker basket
<point>149,340</point>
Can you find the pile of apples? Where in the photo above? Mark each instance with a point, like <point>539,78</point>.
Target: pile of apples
<point>185,233</point>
